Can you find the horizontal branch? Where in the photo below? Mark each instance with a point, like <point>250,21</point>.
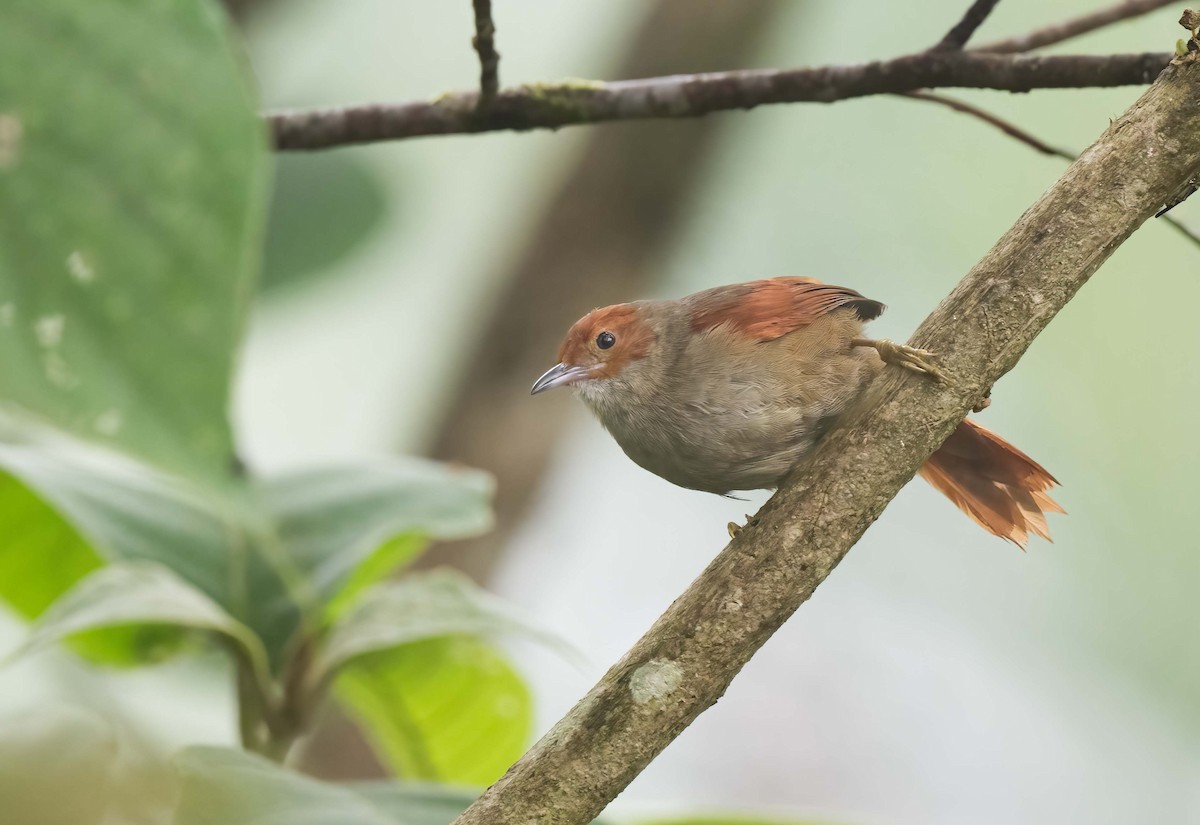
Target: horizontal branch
<point>551,106</point>
<point>687,660</point>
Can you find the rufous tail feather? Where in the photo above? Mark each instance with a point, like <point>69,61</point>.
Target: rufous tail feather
<point>998,486</point>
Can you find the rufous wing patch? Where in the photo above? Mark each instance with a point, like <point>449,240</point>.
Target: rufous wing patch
<point>773,307</point>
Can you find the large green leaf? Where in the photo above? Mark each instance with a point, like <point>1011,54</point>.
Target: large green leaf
<point>126,513</point>
<point>417,803</point>
<point>228,787</point>
<point>421,803</point>
<point>731,819</point>
<point>142,594</point>
<point>418,607</point>
<point>449,709</point>
<point>309,541</point>
<point>41,554</point>
<point>346,527</point>
<point>221,786</point>
<point>132,190</point>
<point>307,235</point>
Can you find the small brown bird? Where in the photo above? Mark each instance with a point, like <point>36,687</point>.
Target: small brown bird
<point>728,388</point>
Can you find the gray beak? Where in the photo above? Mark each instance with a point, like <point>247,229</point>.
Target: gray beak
<point>558,375</point>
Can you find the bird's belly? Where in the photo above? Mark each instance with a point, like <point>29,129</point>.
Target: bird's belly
<point>720,453</point>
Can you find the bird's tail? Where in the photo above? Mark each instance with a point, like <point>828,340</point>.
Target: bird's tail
<point>997,485</point>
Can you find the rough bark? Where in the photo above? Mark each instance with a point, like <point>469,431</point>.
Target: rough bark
<point>686,661</point>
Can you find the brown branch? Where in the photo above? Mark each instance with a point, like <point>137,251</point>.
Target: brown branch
<point>686,661</point>
<point>484,43</point>
<point>1073,28</point>
<point>1039,145</point>
<point>1004,126</point>
<point>958,36</point>
<point>551,106</point>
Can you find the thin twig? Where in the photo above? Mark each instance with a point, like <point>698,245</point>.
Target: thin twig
<point>550,106</point>
<point>1004,126</point>
<point>1067,29</point>
<point>958,36</point>
<point>1035,143</point>
<point>484,42</point>
<point>1181,228</point>
<point>687,660</point>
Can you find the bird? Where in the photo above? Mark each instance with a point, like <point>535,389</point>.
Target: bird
<point>727,389</point>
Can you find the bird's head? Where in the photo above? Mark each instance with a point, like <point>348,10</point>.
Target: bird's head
<point>606,344</point>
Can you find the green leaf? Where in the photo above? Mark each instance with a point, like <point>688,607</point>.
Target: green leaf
<point>436,702</point>
<point>299,541</point>
<point>420,803</point>
<point>417,803</point>
<point>419,607</point>
<point>731,819</point>
<point>346,527</point>
<point>41,554</point>
<point>81,514</point>
<point>133,594</point>
<point>221,786</point>
<point>389,557</point>
<point>449,709</point>
<point>133,172</point>
<point>307,235</point>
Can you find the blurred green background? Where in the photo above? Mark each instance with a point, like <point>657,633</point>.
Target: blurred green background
<point>939,676</point>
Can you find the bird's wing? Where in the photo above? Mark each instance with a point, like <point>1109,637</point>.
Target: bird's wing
<point>768,309</point>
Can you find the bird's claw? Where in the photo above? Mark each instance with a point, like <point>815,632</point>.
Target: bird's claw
<point>910,358</point>
<point>735,528</point>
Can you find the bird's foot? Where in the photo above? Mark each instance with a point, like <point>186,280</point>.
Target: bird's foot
<point>735,528</point>
<point>901,355</point>
<point>983,403</point>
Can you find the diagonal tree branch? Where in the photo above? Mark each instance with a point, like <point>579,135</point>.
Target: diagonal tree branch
<point>1074,27</point>
<point>550,106</point>
<point>686,661</point>
<point>958,36</point>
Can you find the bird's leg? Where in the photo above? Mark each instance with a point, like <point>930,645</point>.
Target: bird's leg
<point>735,528</point>
<point>900,355</point>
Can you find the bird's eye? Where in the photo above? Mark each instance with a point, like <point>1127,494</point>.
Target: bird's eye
<point>605,340</point>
